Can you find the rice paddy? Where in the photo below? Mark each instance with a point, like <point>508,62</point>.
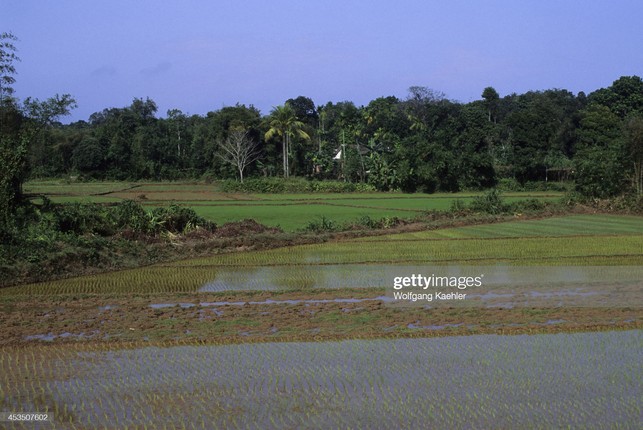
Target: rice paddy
<point>290,212</point>
<point>582,380</point>
<point>582,240</point>
<point>306,337</point>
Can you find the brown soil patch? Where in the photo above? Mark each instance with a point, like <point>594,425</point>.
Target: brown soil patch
<point>121,319</point>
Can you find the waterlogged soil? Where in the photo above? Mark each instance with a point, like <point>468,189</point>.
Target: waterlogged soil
<point>240,317</point>
<point>551,381</point>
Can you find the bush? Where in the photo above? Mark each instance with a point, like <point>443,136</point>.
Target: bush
<point>600,173</point>
<point>179,219</point>
<point>293,185</point>
<point>321,224</point>
<point>490,202</point>
<point>82,218</point>
<point>509,184</point>
<point>529,205</point>
<point>367,221</point>
<point>131,215</point>
<point>458,207</point>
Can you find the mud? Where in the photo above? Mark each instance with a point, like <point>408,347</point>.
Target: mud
<point>264,316</point>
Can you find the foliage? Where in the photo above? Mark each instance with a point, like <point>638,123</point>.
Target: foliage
<point>25,130</point>
<point>179,219</point>
<point>458,207</point>
<point>600,172</point>
<point>13,162</point>
<point>8,58</point>
<point>511,184</point>
<point>423,143</point>
<point>490,202</point>
<point>131,215</point>
<point>82,218</point>
<point>283,123</point>
<point>634,144</point>
<point>321,224</point>
<point>293,185</point>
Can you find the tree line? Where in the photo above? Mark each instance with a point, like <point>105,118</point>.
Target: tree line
<point>423,142</point>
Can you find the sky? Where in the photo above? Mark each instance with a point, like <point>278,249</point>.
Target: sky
<point>199,56</point>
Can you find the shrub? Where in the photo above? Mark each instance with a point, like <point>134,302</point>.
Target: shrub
<point>490,202</point>
<point>367,222</point>
<point>130,214</point>
<point>293,185</point>
<point>528,205</point>
<point>82,218</point>
<point>509,184</point>
<point>179,219</point>
<point>321,224</point>
<point>389,221</point>
<point>458,206</point>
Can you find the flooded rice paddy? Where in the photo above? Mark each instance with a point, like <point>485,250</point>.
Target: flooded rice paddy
<point>500,285</point>
<point>583,380</point>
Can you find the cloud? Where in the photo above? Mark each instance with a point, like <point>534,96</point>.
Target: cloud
<point>104,71</point>
<point>159,69</point>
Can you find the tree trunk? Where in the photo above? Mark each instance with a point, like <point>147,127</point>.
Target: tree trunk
<point>287,156</point>
<point>638,177</point>
<point>284,147</point>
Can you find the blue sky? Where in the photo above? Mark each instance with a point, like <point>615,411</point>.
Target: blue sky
<point>199,56</point>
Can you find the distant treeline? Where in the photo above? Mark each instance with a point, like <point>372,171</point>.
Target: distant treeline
<point>424,142</point>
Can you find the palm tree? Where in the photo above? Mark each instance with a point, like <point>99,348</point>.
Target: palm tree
<point>283,122</point>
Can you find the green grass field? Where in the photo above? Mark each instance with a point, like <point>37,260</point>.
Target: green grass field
<point>290,212</point>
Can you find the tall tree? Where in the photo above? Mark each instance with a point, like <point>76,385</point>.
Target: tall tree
<point>35,116</point>
<point>283,122</point>
<point>600,158</point>
<point>623,97</point>
<point>305,110</point>
<point>634,142</point>
<point>177,122</point>
<point>9,114</point>
<point>8,58</point>
<point>491,98</point>
<point>239,150</point>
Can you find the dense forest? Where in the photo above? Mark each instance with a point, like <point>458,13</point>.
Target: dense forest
<point>424,142</point>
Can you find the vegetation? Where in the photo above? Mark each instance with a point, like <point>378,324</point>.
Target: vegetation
<point>422,143</point>
<point>98,259</point>
<point>64,238</point>
<point>350,384</point>
<point>585,240</point>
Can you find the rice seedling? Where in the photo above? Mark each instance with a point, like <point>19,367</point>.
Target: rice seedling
<point>477,381</point>
<point>288,211</point>
<point>575,225</point>
<point>567,241</point>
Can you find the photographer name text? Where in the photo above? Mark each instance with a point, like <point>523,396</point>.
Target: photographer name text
<point>426,282</point>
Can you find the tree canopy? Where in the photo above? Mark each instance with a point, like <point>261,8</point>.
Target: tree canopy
<point>424,142</point>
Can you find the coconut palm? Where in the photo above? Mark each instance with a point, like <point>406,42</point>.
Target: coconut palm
<point>283,122</point>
